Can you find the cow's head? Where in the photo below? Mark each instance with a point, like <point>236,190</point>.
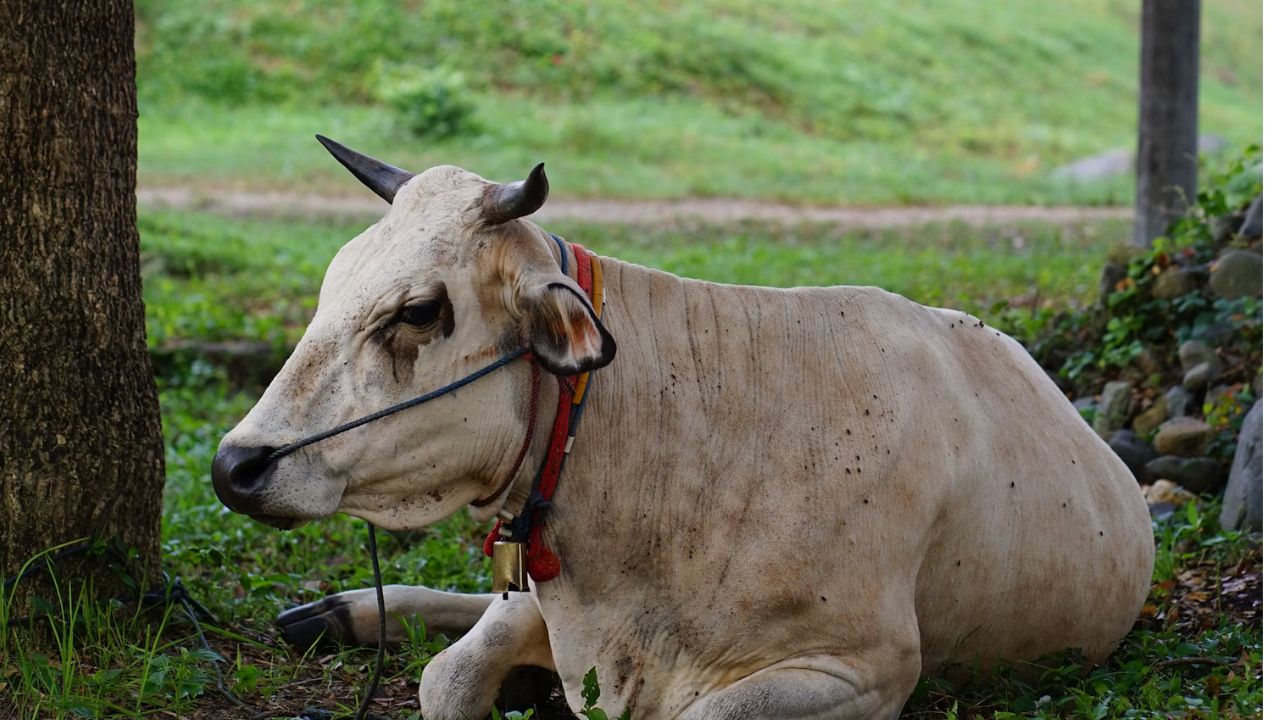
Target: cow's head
<point>448,280</point>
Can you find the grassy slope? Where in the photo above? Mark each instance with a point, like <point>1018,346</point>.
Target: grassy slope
<point>955,101</point>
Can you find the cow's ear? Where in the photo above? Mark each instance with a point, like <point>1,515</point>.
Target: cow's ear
<point>562,331</point>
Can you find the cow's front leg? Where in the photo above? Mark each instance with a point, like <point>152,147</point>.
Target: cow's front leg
<point>462,682</point>
<point>815,688</point>
<point>351,617</point>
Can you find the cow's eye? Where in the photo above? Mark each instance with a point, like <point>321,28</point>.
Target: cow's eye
<point>419,315</point>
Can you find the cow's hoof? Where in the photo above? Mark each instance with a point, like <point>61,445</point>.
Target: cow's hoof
<point>533,687</point>
<point>322,623</point>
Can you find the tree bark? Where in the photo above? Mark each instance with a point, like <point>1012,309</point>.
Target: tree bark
<point>1167,115</point>
<point>81,451</point>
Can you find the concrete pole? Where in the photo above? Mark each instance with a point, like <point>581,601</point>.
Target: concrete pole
<point>1167,109</point>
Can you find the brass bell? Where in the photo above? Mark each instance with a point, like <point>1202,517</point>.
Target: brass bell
<point>510,567</point>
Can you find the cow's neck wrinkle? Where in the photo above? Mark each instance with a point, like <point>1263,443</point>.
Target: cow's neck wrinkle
<point>622,489</point>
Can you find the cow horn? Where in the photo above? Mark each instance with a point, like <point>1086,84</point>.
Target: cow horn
<point>378,176</point>
<point>517,199</point>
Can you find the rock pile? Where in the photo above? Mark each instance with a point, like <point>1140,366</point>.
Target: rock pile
<point>1178,420</point>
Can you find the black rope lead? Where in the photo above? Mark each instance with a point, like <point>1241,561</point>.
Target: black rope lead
<point>382,625</point>
<point>398,407</point>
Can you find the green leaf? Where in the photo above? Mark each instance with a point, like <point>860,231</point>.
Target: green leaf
<point>1193,515</point>
<point>591,690</point>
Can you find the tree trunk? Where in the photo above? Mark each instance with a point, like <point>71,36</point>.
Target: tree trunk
<point>1167,114</point>
<point>81,452</point>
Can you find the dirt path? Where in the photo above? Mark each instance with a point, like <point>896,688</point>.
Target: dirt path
<point>637,212</point>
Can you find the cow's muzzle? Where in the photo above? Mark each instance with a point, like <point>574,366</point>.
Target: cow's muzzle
<point>239,474</point>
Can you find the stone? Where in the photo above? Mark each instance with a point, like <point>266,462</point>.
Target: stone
<point>1120,161</point>
<point>1242,502</point>
<point>1226,226</point>
<point>1184,436</point>
<point>1236,274</point>
<point>1200,475</point>
<point>1133,452</point>
<point>1199,377</point>
<point>1173,282</point>
<point>1215,334</point>
<point>1179,402</point>
<point>1095,167</point>
<point>1113,408</point>
<point>1166,491</point>
<point>1251,227</point>
<point>1193,352</point>
<point>1112,272</point>
<point>1087,407</point>
<point>1146,363</point>
<point>1150,419</point>
<point>1210,144</point>
<point>1215,394</point>
<point>1116,269</point>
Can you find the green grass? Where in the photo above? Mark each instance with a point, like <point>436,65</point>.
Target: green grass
<point>815,102</point>
<point>210,277</point>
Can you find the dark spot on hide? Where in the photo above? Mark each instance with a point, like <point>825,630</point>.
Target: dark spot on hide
<point>623,667</point>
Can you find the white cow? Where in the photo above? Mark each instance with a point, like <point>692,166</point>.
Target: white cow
<point>780,504</point>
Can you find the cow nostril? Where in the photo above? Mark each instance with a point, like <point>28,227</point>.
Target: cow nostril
<point>239,470</point>
<point>249,470</point>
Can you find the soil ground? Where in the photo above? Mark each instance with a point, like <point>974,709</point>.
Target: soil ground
<point>632,212</point>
